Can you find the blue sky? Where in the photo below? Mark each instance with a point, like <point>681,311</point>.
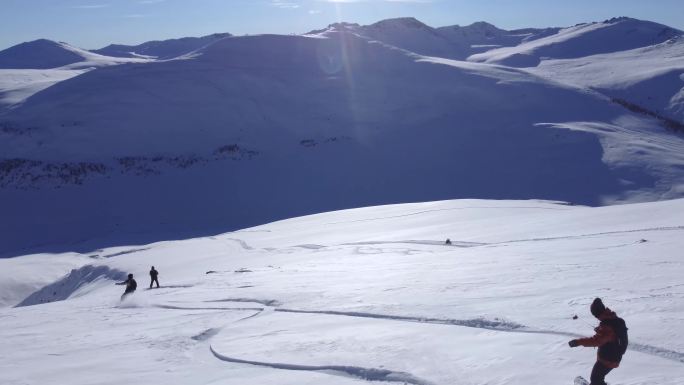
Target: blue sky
<point>96,23</point>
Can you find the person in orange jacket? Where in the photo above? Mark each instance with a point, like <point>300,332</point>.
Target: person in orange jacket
<point>610,338</point>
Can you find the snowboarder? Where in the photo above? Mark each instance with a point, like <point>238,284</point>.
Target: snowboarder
<point>610,338</point>
<point>153,277</point>
<point>131,285</point>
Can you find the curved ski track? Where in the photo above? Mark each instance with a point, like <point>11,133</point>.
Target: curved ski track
<point>368,374</point>
<point>477,323</point>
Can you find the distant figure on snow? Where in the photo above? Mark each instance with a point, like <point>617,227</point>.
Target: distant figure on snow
<point>131,285</point>
<point>610,338</point>
<point>153,277</point>
<point>448,242</point>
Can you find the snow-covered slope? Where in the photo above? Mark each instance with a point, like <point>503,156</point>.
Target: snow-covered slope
<point>39,54</point>
<point>364,295</point>
<point>29,68</point>
<point>47,54</point>
<point>482,36</point>
<point>18,85</point>
<point>650,77</point>
<point>268,127</point>
<point>164,49</point>
<point>456,42</point>
<point>252,129</point>
<point>413,35</point>
<point>582,40</point>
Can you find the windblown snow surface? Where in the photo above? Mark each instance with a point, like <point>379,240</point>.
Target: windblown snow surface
<point>360,296</point>
<point>248,130</point>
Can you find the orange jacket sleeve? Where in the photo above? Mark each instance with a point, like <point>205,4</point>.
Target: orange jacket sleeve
<point>604,334</point>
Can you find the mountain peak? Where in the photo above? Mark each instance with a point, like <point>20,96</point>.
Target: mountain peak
<point>39,54</point>
<point>407,22</point>
<point>482,25</point>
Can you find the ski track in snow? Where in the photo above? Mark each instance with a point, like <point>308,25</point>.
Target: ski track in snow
<point>131,251</point>
<point>656,351</point>
<point>368,374</point>
<point>477,323</point>
<point>171,307</point>
<point>257,314</point>
<point>311,246</point>
<point>652,229</point>
<point>418,242</point>
<point>242,243</point>
<point>454,243</point>
<point>541,239</point>
<point>267,302</point>
<point>496,325</point>
<point>207,334</point>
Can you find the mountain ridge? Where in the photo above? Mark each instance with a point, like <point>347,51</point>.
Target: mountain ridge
<point>252,129</point>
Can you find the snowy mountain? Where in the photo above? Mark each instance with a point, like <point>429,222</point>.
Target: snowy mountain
<point>482,36</point>
<point>47,54</point>
<point>28,68</point>
<point>456,42</point>
<point>619,34</point>
<point>205,156</point>
<point>413,35</point>
<point>253,129</point>
<point>648,79</point>
<point>40,54</point>
<point>164,49</point>
<point>359,296</point>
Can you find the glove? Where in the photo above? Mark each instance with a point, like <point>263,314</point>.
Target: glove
<point>573,343</point>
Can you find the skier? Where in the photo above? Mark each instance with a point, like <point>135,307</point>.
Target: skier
<point>448,242</point>
<point>610,338</point>
<point>131,285</point>
<point>153,276</point>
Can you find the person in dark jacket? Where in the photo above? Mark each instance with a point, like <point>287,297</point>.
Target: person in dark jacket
<point>610,338</point>
<point>131,285</point>
<point>153,277</point>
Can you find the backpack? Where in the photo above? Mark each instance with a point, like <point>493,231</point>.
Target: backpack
<point>620,329</point>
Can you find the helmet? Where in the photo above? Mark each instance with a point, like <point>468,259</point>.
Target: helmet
<point>130,275</point>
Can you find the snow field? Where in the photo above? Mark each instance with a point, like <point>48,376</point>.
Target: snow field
<point>373,294</point>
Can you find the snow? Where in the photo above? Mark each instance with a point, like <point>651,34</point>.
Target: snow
<point>482,36</point>
<point>28,68</point>
<point>38,54</point>
<point>412,35</point>
<point>47,54</point>
<point>253,129</point>
<point>18,85</point>
<point>165,49</point>
<point>649,76</point>
<point>582,40</point>
<point>361,295</point>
